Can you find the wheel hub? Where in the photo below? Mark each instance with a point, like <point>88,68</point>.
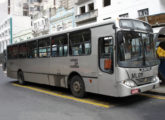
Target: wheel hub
<point>76,86</point>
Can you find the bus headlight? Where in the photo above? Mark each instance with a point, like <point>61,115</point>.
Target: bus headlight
<point>155,79</point>
<point>129,83</point>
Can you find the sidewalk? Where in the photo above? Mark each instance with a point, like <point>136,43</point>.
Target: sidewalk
<point>159,91</point>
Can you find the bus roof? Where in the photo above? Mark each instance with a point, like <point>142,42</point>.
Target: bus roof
<point>92,25</point>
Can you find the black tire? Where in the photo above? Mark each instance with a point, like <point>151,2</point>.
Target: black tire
<point>20,78</point>
<point>77,87</point>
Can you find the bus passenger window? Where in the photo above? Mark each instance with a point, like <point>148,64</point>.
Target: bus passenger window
<point>80,43</point>
<point>44,48</point>
<point>32,49</point>
<point>106,54</point>
<point>59,46</point>
<point>13,52</point>
<point>22,50</point>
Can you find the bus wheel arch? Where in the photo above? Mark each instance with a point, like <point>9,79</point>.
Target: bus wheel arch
<point>20,77</point>
<point>76,84</point>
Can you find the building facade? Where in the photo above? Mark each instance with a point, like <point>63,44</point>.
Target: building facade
<point>40,16</point>
<point>5,33</point>
<point>10,27</point>
<point>129,8</point>
<point>63,16</point>
<point>3,10</point>
<point>54,16</point>
<point>18,7</point>
<point>86,11</point>
<point>23,35</point>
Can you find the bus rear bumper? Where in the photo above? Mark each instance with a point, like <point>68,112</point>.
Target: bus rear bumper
<point>125,91</point>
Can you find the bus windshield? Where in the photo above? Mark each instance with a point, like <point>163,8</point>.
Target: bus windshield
<point>136,49</point>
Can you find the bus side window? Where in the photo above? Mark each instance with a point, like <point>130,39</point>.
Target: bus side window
<point>106,54</point>
<point>22,50</point>
<point>44,47</point>
<point>32,50</point>
<point>80,43</point>
<point>59,46</point>
<point>13,52</point>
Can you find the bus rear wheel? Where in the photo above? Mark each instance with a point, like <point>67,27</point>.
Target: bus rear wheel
<point>20,78</point>
<point>77,86</point>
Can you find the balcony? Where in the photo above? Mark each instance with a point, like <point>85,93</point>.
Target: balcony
<point>78,2</point>
<point>87,16</point>
<point>25,6</point>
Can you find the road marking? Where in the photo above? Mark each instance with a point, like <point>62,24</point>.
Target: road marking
<point>88,101</point>
<point>153,96</point>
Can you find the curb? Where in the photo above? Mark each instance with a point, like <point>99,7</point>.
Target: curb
<point>155,93</point>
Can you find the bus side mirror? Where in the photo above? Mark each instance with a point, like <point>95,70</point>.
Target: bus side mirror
<point>107,64</point>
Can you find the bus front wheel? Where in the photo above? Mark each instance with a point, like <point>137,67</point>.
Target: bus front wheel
<point>77,86</point>
<point>20,78</point>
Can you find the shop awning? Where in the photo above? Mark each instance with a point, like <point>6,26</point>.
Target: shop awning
<point>159,30</point>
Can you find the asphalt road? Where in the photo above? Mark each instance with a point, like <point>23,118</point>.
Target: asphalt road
<point>18,103</point>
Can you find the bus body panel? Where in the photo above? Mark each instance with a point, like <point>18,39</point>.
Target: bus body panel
<point>12,68</point>
<point>106,81</point>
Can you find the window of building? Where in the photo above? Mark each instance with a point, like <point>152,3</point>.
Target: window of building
<point>25,13</point>
<point>124,15</point>
<point>22,50</point>
<point>44,48</point>
<point>32,49</point>
<point>80,43</point>
<point>82,10</point>
<point>59,46</point>
<point>106,3</point>
<point>9,2</point>
<point>143,12</point>
<point>8,10</point>
<point>91,7</point>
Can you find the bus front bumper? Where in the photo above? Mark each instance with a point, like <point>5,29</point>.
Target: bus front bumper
<point>125,91</point>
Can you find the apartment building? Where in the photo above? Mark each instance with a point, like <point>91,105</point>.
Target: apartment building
<point>12,26</point>
<point>3,10</point>
<point>54,16</point>
<point>18,7</point>
<point>40,16</point>
<point>5,34</point>
<point>62,15</point>
<point>100,10</point>
<point>86,11</point>
<point>129,8</point>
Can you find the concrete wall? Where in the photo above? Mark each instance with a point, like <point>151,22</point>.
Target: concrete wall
<point>21,23</point>
<point>131,7</point>
<point>22,35</point>
<point>3,10</point>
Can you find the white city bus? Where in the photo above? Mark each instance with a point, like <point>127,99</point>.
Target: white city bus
<point>114,58</point>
